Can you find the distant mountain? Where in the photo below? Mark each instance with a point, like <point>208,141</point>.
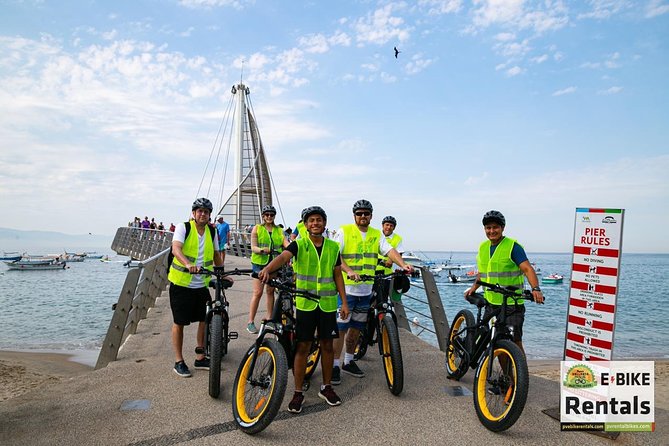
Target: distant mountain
<point>39,242</point>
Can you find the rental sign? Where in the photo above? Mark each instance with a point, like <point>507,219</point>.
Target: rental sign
<point>594,284</point>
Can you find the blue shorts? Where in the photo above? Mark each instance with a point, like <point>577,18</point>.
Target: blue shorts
<point>257,268</point>
<point>358,306</point>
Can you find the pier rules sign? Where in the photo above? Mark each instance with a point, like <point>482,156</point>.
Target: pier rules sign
<point>594,284</point>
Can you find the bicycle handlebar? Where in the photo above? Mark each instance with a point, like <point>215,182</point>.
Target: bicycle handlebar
<point>220,272</point>
<point>508,291</point>
<point>290,289</point>
<point>398,273</point>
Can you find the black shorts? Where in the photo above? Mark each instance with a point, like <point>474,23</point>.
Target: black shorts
<point>188,304</point>
<point>307,322</point>
<point>515,317</point>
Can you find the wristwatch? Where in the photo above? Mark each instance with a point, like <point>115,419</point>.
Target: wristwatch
<point>536,288</point>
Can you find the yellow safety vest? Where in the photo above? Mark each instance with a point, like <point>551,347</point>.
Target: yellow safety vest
<point>302,230</point>
<point>499,269</point>
<point>394,241</point>
<point>179,274</point>
<point>360,255</point>
<point>314,274</point>
<point>274,242</point>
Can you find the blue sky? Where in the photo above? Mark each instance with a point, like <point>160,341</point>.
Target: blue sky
<point>534,108</point>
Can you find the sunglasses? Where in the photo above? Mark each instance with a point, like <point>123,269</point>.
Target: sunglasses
<point>363,214</point>
<point>268,215</point>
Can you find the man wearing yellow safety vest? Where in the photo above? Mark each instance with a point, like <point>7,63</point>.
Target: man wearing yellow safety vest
<point>360,247</point>
<point>317,266</point>
<point>266,240</point>
<point>502,260</point>
<point>388,225</point>
<point>193,248</point>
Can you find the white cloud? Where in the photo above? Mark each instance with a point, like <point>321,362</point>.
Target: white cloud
<point>655,8</point>
<point>540,17</point>
<point>381,26</point>
<point>568,90</point>
<point>514,71</point>
<point>471,181</point>
<point>417,64</point>
<point>611,90</point>
<point>438,7</point>
<point>540,59</point>
<point>207,4</point>
<point>314,43</point>
<point>603,9</point>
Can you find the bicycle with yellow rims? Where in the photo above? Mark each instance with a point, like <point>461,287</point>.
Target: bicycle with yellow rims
<point>381,327</point>
<point>216,330</point>
<point>501,382</point>
<point>262,376</point>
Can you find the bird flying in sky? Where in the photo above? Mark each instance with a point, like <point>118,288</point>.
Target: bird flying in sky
<point>396,51</point>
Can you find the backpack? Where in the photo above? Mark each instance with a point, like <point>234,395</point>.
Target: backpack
<point>212,233</point>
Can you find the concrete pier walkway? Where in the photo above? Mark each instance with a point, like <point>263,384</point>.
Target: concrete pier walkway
<point>138,400</point>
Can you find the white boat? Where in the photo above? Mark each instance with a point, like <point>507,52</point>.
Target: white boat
<point>10,255</point>
<point>132,263</point>
<point>35,264</point>
<point>469,276</point>
<point>412,259</point>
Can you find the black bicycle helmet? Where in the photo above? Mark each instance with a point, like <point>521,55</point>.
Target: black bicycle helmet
<point>203,203</point>
<point>313,210</point>
<point>389,219</point>
<point>362,204</point>
<point>494,217</point>
<point>268,208</point>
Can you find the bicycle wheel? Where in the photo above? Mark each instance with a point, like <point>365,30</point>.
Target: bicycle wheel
<point>500,400</point>
<point>257,394</point>
<point>457,359</point>
<point>364,338</point>
<point>216,355</point>
<point>312,359</point>
<point>392,355</point>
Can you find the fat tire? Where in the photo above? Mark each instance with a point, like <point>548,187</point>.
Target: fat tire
<point>492,411</point>
<point>312,359</point>
<point>457,361</point>
<point>272,368</point>
<point>216,355</point>
<point>392,355</point>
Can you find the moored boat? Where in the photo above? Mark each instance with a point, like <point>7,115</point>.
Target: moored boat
<point>35,265</point>
<point>552,278</point>
<point>10,255</point>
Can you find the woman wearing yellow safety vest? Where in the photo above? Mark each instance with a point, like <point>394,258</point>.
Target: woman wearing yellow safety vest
<point>502,260</point>
<point>265,238</point>
<point>317,266</point>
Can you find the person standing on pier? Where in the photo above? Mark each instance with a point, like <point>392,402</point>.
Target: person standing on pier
<point>223,229</point>
<point>503,260</point>
<point>360,246</point>
<point>317,265</point>
<point>389,223</point>
<point>193,247</point>
<point>265,238</point>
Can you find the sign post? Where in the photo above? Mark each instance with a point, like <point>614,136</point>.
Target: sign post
<point>594,284</point>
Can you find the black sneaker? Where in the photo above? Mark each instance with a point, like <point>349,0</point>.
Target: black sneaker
<point>329,395</point>
<point>202,364</point>
<point>181,369</point>
<point>352,369</point>
<point>336,375</point>
<point>295,405</point>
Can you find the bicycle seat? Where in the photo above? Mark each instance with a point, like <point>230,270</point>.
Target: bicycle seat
<point>476,299</point>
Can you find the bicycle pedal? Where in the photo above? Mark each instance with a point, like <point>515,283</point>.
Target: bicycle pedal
<point>233,335</point>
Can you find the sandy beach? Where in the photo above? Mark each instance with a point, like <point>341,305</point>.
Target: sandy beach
<point>21,372</point>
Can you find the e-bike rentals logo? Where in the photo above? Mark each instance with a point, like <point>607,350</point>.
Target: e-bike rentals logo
<point>611,396</point>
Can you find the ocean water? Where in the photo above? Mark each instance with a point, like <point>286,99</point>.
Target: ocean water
<point>71,309</point>
<point>66,309</point>
<point>642,325</point>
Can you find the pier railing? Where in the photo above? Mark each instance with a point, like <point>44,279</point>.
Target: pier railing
<point>431,327</point>
<point>142,285</point>
<point>139,243</point>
